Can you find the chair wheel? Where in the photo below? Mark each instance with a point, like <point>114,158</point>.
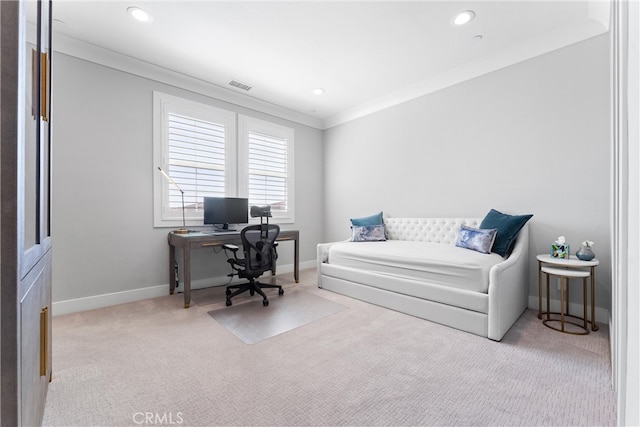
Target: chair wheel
<point>228,303</point>
<point>280,291</point>
<point>265,302</point>
<point>252,292</point>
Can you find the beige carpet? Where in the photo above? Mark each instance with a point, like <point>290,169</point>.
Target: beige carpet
<point>154,363</point>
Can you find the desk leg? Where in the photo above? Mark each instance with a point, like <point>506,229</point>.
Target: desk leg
<point>186,272</point>
<point>539,289</point>
<point>296,261</point>
<point>594,326</point>
<point>172,273</point>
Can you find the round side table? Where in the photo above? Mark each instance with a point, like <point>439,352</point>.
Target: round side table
<point>566,269</point>
<point>564,275</point>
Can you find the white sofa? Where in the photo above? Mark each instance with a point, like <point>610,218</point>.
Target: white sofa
<point>419,271</point>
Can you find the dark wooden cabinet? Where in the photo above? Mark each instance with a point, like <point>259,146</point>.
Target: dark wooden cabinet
<point>25,220</point>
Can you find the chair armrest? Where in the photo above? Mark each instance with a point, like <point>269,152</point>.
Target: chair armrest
<point>232,248</point>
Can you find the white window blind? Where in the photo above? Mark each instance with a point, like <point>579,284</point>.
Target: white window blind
<point>265,166</point>
<point>211,152</point>
<point>268,171</point>
<point>196,145</point>
<point>196,158</point>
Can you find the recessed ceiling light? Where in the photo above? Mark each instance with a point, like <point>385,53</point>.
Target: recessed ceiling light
<point>140,14</point>
<point>318,91</point>
<point>463,17</point>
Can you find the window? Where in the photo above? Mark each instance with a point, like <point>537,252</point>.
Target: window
<point>198,147</point>
<point>266,166</point>
<point>195,145</point>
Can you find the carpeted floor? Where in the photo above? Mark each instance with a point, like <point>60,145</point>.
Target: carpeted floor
<point>154,363</point>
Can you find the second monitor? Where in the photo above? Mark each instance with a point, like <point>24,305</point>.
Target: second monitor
<point>222,211</point>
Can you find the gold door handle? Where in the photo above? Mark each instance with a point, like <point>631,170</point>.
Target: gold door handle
<point>44,86</point>
<point>44,341</point>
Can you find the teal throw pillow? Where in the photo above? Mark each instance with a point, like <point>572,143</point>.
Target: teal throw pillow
<point>368,220</point>
<point>508,228</point>
<point>479,240</point>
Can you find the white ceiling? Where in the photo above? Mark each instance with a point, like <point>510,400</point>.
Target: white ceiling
<point>366,54</point>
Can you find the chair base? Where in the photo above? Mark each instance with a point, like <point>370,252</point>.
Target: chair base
<point>253,287</point>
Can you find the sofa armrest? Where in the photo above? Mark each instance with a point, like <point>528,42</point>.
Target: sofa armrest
<point>509,288</point>
<point>323,257</point>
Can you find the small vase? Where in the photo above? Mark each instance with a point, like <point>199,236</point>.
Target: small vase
<point>585,253</point>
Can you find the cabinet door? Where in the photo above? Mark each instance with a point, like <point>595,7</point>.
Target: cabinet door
<point>35,344</point>
<point>25,240</point>
<point>34,239</point>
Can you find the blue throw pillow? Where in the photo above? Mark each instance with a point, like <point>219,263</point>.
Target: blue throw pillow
<point>368,233</point>
<point>508,228</point>
<point>368,220</point>
<point>480,240</point>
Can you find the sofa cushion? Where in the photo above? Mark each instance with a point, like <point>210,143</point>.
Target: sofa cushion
<point>446,265</point>
<point>375,219</point>
<point>476,239</point>
<point>508,228</point>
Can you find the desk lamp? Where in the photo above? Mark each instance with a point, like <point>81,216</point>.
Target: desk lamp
<point>182,230</point>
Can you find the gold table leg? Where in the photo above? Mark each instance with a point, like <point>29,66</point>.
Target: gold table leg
<point>594,326</point>
<point>540,290</point>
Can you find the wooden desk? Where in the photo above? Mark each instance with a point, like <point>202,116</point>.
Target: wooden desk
<point>198,240</point>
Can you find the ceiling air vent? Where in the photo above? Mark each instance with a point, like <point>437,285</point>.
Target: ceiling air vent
<point>239,85</point>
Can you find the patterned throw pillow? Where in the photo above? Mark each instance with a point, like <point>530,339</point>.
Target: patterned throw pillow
<point>367,233</point>
<point>476,239</point>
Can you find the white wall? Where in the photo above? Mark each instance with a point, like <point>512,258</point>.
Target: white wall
<point>104,240</point>
<point>530,138</point>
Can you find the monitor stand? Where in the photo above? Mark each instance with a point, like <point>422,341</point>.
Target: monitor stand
<point>224,229</point>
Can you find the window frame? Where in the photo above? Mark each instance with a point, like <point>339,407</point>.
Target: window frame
<point>237,128</point>
<point>163,104</point>
<point>247,124</point>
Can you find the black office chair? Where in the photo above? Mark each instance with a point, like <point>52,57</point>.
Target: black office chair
<point>260,254</point>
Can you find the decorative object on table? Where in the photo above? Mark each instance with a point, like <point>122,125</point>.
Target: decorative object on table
<point>585,253</point>
<point>560,248</point>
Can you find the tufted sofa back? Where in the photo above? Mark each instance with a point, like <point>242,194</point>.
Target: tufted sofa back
<point>434,230</point>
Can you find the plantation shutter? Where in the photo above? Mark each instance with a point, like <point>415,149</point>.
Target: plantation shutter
<point>196,151</point>
<point>268,171</point>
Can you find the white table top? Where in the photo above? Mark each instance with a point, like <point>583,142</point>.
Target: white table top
<point>571,262</point>
<point>566,272</point>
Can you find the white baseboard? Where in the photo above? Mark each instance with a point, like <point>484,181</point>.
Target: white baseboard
<point>105,300</point>
<point>602,315</point>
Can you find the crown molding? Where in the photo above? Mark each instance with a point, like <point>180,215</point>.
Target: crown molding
<point>596,22</point>
<point>108,58</point>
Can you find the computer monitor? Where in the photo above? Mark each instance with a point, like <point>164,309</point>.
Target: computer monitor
<point>222,211</point>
